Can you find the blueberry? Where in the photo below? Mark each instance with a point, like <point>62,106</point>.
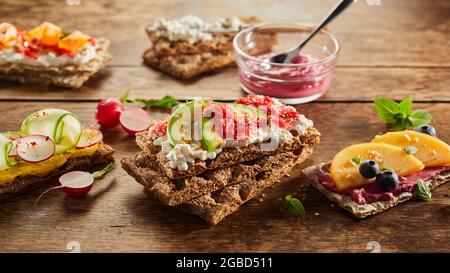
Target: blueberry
<point>426,129</point>
<point>387,181</point>
<point>368,169</point>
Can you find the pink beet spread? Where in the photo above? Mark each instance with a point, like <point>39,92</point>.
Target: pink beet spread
<point>371,193</point>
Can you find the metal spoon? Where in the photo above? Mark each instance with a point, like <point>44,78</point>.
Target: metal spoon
<point>286,57</point>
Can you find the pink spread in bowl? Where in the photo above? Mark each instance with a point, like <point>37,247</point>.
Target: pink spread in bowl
<point>306,79</point>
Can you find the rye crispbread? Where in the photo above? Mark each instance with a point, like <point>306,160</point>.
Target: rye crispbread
<point>24,184</point>
<point>214,207</point>
<point>363,211</point>
<point>70,76</point>
<point>146,171</point>
<point>185,60</point>
<point>228,157</point>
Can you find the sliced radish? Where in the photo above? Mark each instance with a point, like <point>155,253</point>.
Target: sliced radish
<point>89,137</point>
<point>134,120</point>
<point>35,148</point>
<point>76,183</point>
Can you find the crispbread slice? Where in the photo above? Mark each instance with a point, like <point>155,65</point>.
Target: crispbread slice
<point>24,184</point>
<point>363,211</point>
<point>220,43</point>
<point>71,76</point>
<point>188,65</point>
<point>145,170</point>
<point>214,207</point>
<point>228,157</point>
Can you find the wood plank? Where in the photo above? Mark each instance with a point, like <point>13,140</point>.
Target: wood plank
<point>388,34</point>
<point>349,83</point>
<point>117,216</point>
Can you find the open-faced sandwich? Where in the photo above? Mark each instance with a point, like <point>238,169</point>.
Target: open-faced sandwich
<point>50,143</point>
<point>189,46</point>
<point>369,178</point>
<point>48,55</point>
<point>208,158</point>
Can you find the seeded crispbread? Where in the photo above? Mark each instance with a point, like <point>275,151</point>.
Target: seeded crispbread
<point>363,211</point>
<point>185,60</point>
<point>146,171</point>
<point>24,184</point>
<point>70,76</point>
<point>228,157</point>
<point>214,207</point>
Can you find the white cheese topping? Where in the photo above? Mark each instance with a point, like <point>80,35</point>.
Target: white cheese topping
<point>192,28</point>
<point>183,154</point>
<point>49,59</point>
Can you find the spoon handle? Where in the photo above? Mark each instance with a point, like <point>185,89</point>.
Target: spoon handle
<point>340,7</point>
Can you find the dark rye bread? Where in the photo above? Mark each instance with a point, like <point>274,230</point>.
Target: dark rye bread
<point>146,171</point>
<point>70,76</point>
<point>24,184</point>
<point>228,157</point>
<point>214,207</point>
<point>363,211</point>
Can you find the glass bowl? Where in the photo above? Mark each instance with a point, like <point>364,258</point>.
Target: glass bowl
<point>307,79</point>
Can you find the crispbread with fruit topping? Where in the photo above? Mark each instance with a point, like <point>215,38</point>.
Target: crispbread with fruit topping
<point>146,171</point>
<point>364,210</point>
<point>229,156</point>
<point>214,207</point>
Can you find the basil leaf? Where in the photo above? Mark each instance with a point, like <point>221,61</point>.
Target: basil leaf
<point>167,102</point>
<point>422,191</point>
<point>292,205</point>
<point>98,175</point>
<point>386,109</point>
<point>420,117</point>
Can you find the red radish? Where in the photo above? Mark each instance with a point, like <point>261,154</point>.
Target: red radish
<point>89,137</point>
<point>108,112</point>
<point>35,148</point>
<point>75,184</point>
<point>134,120</point>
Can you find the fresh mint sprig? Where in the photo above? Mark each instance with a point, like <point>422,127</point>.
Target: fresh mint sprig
<point>167,102</point>
<point>399,115</point>
<point>292,205</point>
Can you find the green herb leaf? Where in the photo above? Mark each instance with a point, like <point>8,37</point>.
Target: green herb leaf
<point>98,175</point>
<point>400,115</point>
<point>124,97</point>
<point>292,205</point>
<point>386,109</point>
<point>167,102</point>
<point>422,191</point>
<point>410,150</point>
<point>420,117</point>
<point>356,160</point>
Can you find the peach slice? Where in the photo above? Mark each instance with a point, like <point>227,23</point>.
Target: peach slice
<point>432,151</point>
<point>47,33</point>
<point>345,172</point>
<point>74,42</point>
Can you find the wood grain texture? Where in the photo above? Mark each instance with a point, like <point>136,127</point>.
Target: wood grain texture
<point>118,217</point>
<point>349,83</point>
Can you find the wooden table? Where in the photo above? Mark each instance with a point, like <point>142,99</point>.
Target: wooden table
<point>397,49</point>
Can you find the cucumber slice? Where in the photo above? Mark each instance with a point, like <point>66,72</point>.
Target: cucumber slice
<point>62,126</point>
<point>5,147</point>
<point>242,111</point>
<point>182,126</point>
<point>210,139</point>
<point>11,134</point>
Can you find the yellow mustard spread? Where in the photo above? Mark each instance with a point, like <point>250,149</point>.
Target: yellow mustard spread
<point>45,167</point>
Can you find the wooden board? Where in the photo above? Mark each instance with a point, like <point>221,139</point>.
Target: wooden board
<point>118,216</point>
<point>397,49</point>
